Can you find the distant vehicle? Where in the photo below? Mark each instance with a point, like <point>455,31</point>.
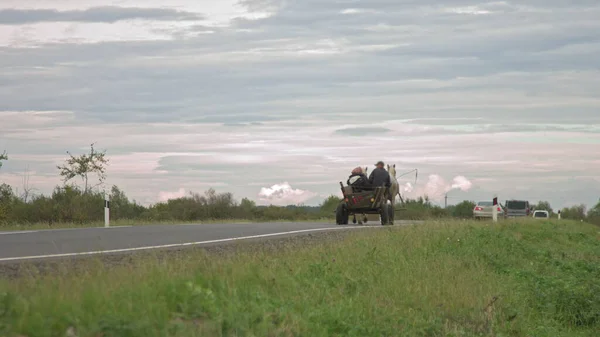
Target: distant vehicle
<point>484,209</point>
<point>517,208</point>
<point>541,214</point>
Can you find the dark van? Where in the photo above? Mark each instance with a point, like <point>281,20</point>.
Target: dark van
<point>517,208</point>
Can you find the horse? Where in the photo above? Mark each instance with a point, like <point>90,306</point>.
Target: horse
<point>395,188</point>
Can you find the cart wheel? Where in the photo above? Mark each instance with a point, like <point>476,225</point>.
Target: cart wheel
<point>341,214</point>
<point>390,214</point>
<point>384,215</point>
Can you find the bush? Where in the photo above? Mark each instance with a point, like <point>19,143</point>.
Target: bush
<point>421,209</point>
<point>69,204</point>
<point>593,215</point>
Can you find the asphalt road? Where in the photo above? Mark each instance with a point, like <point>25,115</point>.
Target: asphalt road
<point>45,244</point>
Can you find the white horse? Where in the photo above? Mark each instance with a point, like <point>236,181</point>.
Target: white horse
<point>395,188</point>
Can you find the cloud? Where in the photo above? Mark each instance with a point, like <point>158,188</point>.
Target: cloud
<point>461,183</point>
<point>104,14</point>
<point>302,91</point>
<point>164,196</point>
<point>436,187</point>
<point>284,194</point>
<point>361,131</point>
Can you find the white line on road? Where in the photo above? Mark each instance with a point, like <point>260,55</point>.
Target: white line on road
<point>17,232</point>
<point>80,228</point>
<point>51,230</point>
<point>179,244</point>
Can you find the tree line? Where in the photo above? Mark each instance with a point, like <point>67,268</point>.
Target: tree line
<point>71,203</point>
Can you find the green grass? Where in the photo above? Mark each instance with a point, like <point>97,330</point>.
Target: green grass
<point>438,279</point>
<point>134,222</point>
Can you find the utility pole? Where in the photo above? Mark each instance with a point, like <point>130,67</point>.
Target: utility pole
<point>446,201</point>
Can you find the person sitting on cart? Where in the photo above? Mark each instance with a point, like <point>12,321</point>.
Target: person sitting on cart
<point>379,176</point>
<point>358,180</point>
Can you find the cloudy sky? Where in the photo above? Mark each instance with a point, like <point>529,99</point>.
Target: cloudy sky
<point>279,100</point>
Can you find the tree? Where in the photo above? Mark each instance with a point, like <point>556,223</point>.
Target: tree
<point>544,206</point>
<point>593,215</point>
<point>3,156</point>
<point>464,209</point>
<point>6,196</point>
<point>83,165</point>
<point>247,204</point>
<point>575,212</point>
<point>6,193</point>
<point>595,210</point>
<point>330,204</point>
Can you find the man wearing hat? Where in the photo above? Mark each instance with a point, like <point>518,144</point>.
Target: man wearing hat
<point>379,176</point>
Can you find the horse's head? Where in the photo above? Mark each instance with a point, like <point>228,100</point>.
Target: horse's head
<point>392,170</point>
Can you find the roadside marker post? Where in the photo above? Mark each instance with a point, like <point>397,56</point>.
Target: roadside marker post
<point>559,214</point>
<point>495,209</point>
<point>106,210</point>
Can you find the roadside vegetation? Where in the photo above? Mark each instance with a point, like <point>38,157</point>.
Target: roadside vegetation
<point>446,278</point>
<point>77,205</point>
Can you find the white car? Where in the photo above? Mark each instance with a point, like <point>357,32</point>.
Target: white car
<point>541,214</point>
<point>485,209</point>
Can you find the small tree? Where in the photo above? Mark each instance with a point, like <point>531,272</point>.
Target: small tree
<point>464,209</point>
<point>83,165</point>
<point>3,156</point>
<point>577,212</point>
<point>544,206</point>
<point>330,204</point>
<point>6,196</point>
<point>247,204</point>
<point>596,209</point>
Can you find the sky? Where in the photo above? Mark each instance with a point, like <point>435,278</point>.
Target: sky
<point>278,101</point>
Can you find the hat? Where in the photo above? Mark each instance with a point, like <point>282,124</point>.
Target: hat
<point>380,163</point>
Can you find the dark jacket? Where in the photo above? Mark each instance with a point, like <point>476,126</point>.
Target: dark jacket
<point>358,180</point>
<point>380,177</point>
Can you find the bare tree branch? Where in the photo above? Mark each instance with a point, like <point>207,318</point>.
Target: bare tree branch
<point>27,189</point>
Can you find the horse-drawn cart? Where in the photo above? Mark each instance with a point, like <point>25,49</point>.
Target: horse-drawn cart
<point>362,202</point>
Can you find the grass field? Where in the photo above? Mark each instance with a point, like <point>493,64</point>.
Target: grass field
<point>515,278</point>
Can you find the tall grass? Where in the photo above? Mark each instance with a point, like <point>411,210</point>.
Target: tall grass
<point>515,278</point>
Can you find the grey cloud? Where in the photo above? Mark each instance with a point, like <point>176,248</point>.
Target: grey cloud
<point>490,125</point>
<point>385,5</point>
<point>362,131</point>
<point>178,91</point>
<point>195,165</point>
<point>235,119</point>
<point>241,124</point>
<point>105,14</point>
<point>517,55</point>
